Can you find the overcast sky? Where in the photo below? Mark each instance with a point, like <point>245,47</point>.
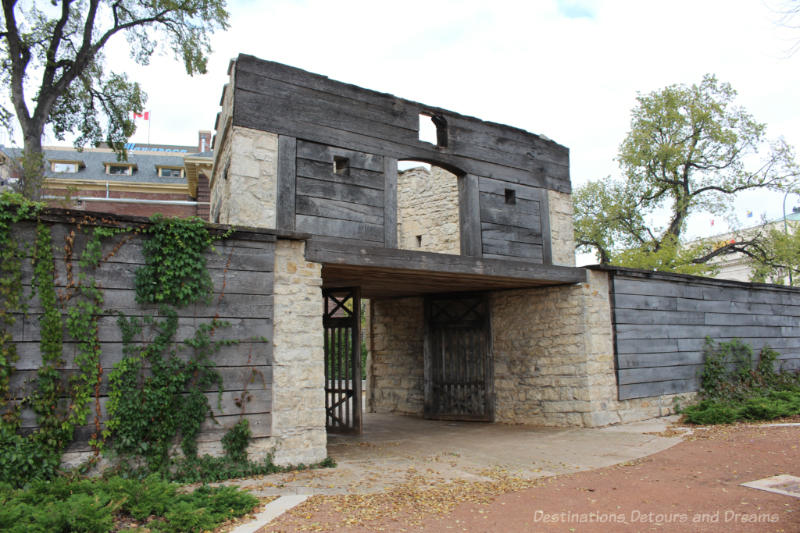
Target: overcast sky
<point>566,69</point>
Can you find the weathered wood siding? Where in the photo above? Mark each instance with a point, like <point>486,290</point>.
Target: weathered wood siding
<point>373,130</point>
<point>241,270</point>
<point>661,322</point>
<point>512,221</point>
<point>347,204</point>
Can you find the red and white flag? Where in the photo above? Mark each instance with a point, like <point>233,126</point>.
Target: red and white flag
<point>145,115</point>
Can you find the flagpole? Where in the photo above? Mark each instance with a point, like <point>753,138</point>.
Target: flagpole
<point>148,129</point>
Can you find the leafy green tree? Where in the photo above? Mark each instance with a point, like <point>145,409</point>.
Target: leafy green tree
<point>690,149</point>
<point>780,262</point>
<point>51,60</point>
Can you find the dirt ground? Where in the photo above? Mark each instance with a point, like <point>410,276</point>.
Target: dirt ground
<point>692,486</point>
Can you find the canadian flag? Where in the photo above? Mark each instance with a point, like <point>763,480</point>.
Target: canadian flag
<point>145,115</point>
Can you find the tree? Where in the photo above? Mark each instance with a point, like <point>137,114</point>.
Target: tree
<point>689,150</point>
<point>55,53</point>
<point>781,262</point>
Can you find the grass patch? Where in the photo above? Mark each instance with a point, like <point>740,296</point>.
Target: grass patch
<point>101,505</point>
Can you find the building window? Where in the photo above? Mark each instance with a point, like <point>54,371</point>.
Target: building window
<point>64,167</point>
<point>119,170</point>
<point>170,172</point>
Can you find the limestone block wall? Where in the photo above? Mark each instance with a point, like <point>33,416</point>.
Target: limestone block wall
<point>540,356</point>
<point>554,358</point>
<point>561,231</point>
<point>427,207</point>
<point>244,188</point>
<point>396,373</point>
<point>298,376</point>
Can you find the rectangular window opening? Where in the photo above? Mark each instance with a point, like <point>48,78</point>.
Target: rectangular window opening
<point>427,129</point>
<point>419,241</point>
<point>341,166</point>
<point>511,196</point>
<point>433,129</point>
<point>65,168</point>
<point>167,172</point>
<point>119,170</point>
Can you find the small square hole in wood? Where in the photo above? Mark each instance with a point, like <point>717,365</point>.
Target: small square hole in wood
<point>511,196</point>
<point>341,165</point>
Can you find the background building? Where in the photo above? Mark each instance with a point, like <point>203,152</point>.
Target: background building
<point>155,178</point>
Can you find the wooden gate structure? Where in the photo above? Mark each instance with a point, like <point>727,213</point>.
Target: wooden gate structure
<point>458,359</point>
<point>342,324</point>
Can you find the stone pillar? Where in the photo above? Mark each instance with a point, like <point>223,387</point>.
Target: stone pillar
<point>561,231</point>
<point>244,184</point>
<point>298,373</point>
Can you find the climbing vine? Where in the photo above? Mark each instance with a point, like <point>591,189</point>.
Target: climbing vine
<point>158,390</point>
<point>175,264</point>
<point>54,431</point>
<point>13,209</point>
<point>155,395</point>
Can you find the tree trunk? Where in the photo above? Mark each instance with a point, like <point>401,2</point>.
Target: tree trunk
<point>32,163</point>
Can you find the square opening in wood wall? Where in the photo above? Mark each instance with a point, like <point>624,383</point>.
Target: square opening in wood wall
<point>511,196</point>
<point>341,166</point>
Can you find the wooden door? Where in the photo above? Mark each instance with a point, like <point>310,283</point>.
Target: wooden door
<point>342,324</point>
<point>458,358</point>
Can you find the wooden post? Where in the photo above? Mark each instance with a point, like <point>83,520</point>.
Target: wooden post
<point>356,343</point>
<point>469,215</point>
<point>286,183</point>
<point>390,203</point>
<point>547,237</point>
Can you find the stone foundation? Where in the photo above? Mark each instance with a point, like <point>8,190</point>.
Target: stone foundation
<point>298,374</point>
<point>396,371</point>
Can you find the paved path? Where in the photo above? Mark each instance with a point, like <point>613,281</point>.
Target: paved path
<point>698,485</point>
<point>394,447</point>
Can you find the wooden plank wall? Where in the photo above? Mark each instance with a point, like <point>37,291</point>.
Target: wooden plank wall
<point>511,228</point>
<point>661,325</point>
<point>327,117</point>
<point>241,270</point>
<point>349,204</point>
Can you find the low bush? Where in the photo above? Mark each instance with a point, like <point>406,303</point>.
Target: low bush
<point>734,387</point>
<point>99,505</point>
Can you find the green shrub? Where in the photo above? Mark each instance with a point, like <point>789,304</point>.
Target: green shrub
<point>93,505</point>
<point>733,387</point>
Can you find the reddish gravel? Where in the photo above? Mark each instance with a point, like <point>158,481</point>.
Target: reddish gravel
<point>693,486</point>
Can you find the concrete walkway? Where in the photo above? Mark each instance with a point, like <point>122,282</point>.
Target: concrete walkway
<point>394,448</point>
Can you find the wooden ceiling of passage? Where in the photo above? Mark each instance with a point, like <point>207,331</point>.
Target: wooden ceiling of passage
<point>377,282</point>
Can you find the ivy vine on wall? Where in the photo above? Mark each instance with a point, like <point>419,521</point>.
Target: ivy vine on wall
<point>157,391</point>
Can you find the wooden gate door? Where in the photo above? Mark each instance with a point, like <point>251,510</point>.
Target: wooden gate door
<point>342,324</point>
<point>458,359</point>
